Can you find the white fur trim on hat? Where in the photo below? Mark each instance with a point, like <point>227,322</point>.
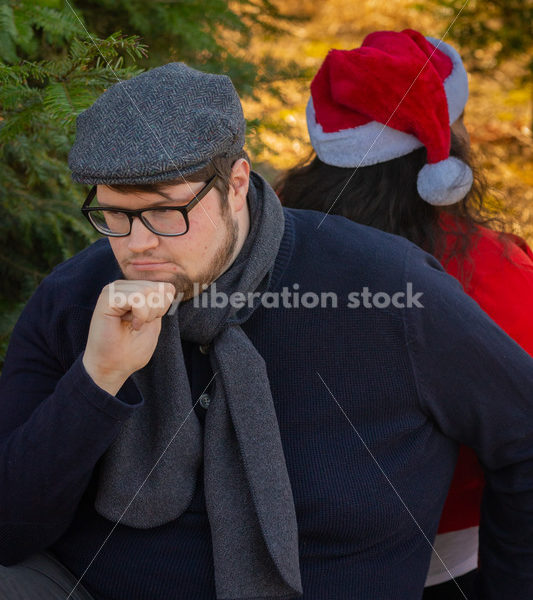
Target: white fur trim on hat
<point>361,146</point>
<point>456,84</point>
<point>445,182</point>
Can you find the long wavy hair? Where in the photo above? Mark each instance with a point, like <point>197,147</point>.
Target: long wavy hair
<point>385,196</point>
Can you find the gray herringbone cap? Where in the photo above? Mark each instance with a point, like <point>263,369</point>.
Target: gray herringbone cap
<point>163,124</point>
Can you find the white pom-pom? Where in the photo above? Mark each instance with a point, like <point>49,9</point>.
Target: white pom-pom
<point>445,182</point>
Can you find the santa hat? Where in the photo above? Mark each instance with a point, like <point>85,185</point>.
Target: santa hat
<point>397,92</point>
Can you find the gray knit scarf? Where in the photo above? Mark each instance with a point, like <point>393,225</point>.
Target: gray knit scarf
<point>161,447</point>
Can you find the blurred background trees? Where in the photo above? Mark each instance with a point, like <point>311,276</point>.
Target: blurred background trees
<point>50,70</point>
<point>491,32</point>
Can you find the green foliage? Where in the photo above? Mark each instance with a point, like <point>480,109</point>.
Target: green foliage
<point>210,35</point>
<point>50,71</point>
<point>505,25</point>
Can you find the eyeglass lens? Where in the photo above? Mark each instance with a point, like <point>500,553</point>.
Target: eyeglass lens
<point>160,221</point>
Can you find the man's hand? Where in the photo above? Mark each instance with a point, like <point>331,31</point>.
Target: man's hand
<point>124,330</point>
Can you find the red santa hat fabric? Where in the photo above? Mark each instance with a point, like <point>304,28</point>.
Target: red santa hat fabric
<point>397,92</point>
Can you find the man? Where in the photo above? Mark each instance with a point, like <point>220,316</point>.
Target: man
<point>289,425</point>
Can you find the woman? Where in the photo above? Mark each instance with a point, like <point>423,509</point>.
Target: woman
<point>392,152</point>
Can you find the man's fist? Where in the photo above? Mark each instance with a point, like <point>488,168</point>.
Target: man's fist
<point>124,330</point>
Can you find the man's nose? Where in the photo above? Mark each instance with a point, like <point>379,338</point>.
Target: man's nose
<point>141,238</point>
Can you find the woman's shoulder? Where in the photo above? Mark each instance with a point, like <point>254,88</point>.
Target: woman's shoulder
<point>499,250</point>
<point>497,272</point>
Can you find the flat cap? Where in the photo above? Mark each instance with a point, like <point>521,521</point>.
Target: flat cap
<point>163,124</point>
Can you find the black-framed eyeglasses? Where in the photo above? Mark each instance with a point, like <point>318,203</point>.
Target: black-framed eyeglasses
<point>169,221</point>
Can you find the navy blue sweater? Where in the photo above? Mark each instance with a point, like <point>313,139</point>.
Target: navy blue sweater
<point>368,481</point>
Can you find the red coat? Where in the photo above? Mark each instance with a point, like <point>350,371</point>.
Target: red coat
<point>498,275</point>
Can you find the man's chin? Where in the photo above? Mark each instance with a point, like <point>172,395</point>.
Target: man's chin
<point>133,275</point>
<point>184,286</point>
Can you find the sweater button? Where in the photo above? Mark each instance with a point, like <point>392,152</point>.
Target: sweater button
<point>204,349</point>
<point>204,401</point>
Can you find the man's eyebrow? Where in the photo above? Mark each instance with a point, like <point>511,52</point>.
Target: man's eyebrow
<point>166,199</point>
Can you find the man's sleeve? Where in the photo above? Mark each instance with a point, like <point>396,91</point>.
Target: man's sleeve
<point>476,384</point>
<point>55,424</point>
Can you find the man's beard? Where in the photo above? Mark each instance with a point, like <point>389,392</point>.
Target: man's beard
<point>186,288</point>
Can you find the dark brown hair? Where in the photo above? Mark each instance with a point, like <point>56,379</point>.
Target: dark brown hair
<point>385,196</point>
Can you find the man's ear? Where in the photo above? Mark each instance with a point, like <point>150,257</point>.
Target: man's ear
<point>239,182</point>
